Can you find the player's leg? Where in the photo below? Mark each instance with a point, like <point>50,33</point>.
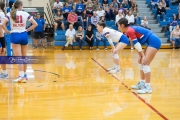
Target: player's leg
<point>119,47</point>
<point>154,45</point>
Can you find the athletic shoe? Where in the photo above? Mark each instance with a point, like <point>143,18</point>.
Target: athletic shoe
<point>4,76</point>
<point>132,48</point>
<point>139,85</point>
<point>112,68</point>
<point>116,70</point>
<point>19,80</point>
<point>146,89</point>
<point>105,48</point>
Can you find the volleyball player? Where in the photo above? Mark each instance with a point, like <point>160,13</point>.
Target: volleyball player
<point>113,36</point>
<point>140,35</point>
<point>3,74</point>
<point>19,36</point>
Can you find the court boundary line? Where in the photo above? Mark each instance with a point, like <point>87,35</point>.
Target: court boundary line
<point>42,71</point>
<point>140,98</point>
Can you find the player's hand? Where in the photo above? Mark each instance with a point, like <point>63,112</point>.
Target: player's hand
<point>143,60</point>
<point>139,60</point>
<point>114,51</point>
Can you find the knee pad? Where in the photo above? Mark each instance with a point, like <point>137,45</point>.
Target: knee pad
<point>146,69</point>
<point>115,56</point>
<point>140,67</point>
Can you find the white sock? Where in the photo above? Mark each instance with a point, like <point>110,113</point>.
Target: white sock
<point>4,72</point>
<point>148,84</point>
<point>117,66</point>
<point>21,73</point>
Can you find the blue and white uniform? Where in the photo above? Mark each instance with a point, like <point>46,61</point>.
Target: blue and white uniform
<point>18,28</point>
<point>2,15</point>
<point>115,35</point>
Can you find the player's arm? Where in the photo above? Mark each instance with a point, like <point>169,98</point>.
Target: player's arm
<point>110,41</point>
<point>34,24</point>
<point>4,23</point>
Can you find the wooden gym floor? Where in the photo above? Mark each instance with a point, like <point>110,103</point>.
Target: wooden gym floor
<point>74,85</point>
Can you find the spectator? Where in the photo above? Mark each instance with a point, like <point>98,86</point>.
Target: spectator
<point>57,5</point>
<point>79,36</point>
<point>163,3</point>
<point>154,4</point>
<point>39,31</point>
<point>73,19</point>
<point>70,36</point>
<point>94,20</point>
<point>66,10</point>
<point>96,5</point>
<point>100,12</point>
<point>105,4</point>
<point>79,8</point>
<point>175,36</point>
<point>112,12</point>
<point>11,2</point>
<point>58,21</point>
<point>108,15</point>
<point>178,7</point>
<point>121,8</point>
<point>125,4</point>
<point>133,5</point>
<point>144,22</point>
<point>102,19</point>
<point>84,20</point>
<point>89,8</point>
<point>161,12</point>
<point>130,18</point>
<point>115,4</point>
<point>71,4</point>
<point>136,15</point>
<point>173,23</point>
<point>99,38</point>
<point>119,16</point>
<point>89,36</point>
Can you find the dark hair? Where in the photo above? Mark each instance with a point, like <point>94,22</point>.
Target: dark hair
<point>2,6</point>
<point>123,21</point>
<point>16,5</point>
<point>101,24</point>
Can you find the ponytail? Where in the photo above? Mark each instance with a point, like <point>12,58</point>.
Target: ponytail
<point>13,13</point>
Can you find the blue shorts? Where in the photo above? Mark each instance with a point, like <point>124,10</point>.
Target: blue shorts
<point>124,39</point>
<point>154,41</point>
<point>19,38</point>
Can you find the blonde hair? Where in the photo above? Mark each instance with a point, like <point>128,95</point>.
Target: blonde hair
<point>16,5</point>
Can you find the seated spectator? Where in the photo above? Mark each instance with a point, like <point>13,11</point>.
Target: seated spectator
<point>121,8</point>
<point>112,11</point>
<point>94,20</point>
<point>96,5</point>
<point>178,7</point>
<point>163,3</point>
<point>79,8</point>
<point>154,4</point>
<point>144,22</point>
<point>115,4</point>
<point>178,15</point>
<point>84,20</point>
<point>130,18</point>
<point>71,4</point>
<point>66,10</point>
<point>119,16</point>
<point>173,23</point>
<point>100,12</point>
<point>133,5</point>
<point>99,38</point>
<point>175,36</point>
<point>108,15</point>
<point>58,21</point>
<point>161,12</point>
<point>89,37</point>
<point>89,8</point>
<point>125,4</point>
<point>105,4</point>
<point>136,15</point>
<point>73,19</point>
<point>80,36</point>
<point>102,19</point>
<point>70,36</point>
<point>57,6</point>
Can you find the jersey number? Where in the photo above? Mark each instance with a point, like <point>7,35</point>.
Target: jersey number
<point>19,19</point>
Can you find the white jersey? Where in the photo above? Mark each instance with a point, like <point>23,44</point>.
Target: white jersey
<point>20,24</point>
<point>113,34</point>
<point>2,15</point>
